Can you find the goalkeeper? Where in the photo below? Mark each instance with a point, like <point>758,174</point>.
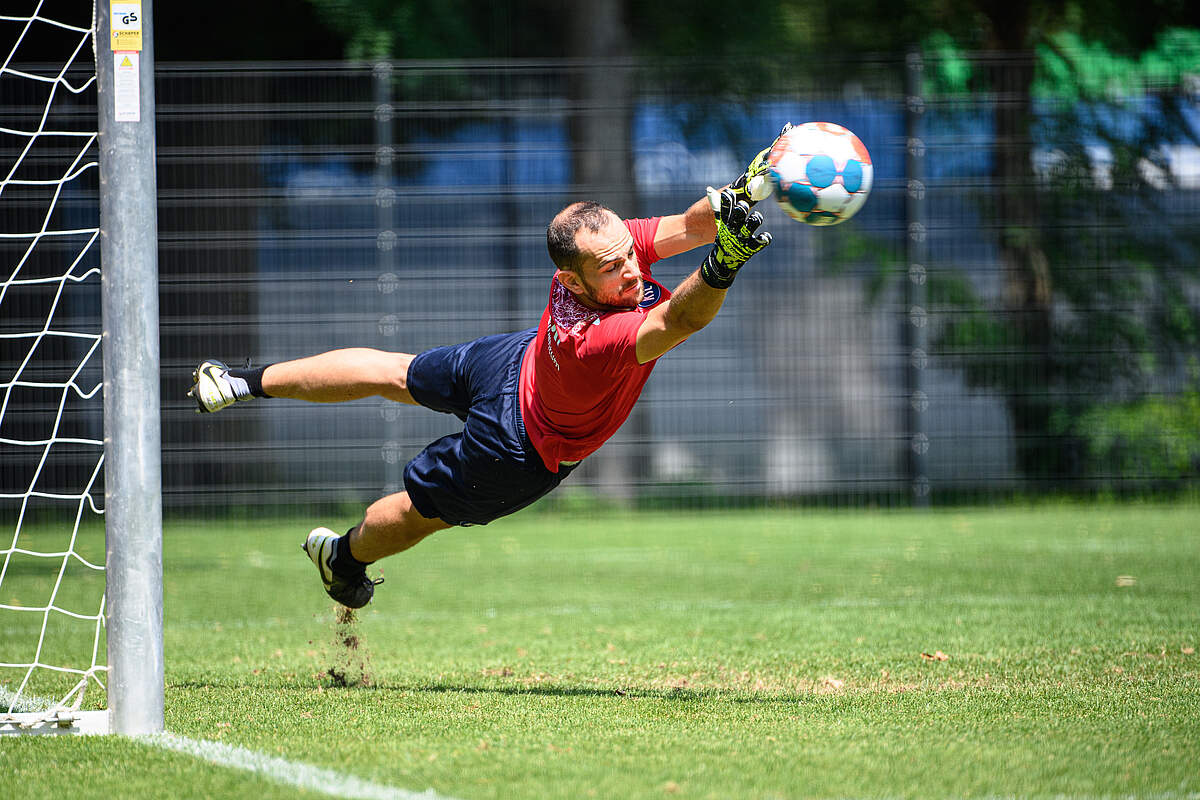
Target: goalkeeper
<point>534,403</point>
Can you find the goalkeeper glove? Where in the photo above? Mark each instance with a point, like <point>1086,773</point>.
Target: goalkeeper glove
<point>752,185</point>
<point>737,239</point>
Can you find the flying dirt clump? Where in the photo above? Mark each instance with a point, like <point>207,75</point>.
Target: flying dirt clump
<point>348,658</point>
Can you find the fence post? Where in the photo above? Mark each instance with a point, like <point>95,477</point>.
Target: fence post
<point>915,325</point>
<point>385,255</point>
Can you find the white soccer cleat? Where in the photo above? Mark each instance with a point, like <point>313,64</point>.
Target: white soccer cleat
<point>213,388</point>
<point>352,590</point>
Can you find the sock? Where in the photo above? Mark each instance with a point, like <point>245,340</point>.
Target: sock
<point>343,561</point>
<point>253,378</point>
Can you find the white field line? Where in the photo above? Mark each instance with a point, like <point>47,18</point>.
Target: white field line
<point>290,773</point>
<point>279,770</point>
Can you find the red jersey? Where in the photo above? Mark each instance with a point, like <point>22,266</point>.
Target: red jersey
<point>580,376</point>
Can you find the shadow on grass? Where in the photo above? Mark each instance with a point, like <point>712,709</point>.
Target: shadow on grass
<point>678,695</point>
<point>633,692</point>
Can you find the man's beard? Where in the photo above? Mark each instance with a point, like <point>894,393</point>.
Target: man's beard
<point>617,303</point>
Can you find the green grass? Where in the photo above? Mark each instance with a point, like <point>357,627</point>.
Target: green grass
<point>748,654</point>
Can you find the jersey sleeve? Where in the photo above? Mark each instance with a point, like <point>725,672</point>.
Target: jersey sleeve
<point>643,232</point>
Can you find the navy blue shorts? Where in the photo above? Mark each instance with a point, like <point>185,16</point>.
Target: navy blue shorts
<point>490,469</point>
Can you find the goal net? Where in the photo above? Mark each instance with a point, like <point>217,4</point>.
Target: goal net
<point>52,547</point>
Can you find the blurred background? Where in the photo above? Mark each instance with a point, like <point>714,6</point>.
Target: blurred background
<point>1014,313</point>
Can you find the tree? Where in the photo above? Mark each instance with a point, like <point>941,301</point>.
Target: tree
<point>1050,361</point>
<point>1067,336</point>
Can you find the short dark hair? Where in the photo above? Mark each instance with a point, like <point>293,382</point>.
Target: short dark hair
<point>560,235</point>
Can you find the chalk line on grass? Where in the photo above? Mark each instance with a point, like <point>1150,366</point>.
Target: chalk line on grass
<point>280,770</point>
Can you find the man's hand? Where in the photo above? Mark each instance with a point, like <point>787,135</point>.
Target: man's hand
<point>752,185</point>
<point>737,238</point>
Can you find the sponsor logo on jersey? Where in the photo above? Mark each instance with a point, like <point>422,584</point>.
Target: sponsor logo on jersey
<point>551,340</point>
<point>651,294</point>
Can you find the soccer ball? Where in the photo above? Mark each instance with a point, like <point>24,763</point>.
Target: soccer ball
<point>821,173</point>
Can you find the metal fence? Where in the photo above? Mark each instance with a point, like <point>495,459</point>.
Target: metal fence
<point>305,207</point>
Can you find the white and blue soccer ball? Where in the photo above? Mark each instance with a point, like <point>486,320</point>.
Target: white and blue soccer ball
<point>821,173</point>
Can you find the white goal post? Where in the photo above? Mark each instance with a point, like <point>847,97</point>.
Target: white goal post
<point>128,614</point>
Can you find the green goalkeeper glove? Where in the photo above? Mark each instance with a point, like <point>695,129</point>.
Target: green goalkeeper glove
<point>752,185</point>
<point>737,238</point>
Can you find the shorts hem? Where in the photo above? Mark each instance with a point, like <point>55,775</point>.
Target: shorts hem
<point>421,502</point>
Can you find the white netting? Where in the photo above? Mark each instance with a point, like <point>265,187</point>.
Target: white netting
<point>51,446</point>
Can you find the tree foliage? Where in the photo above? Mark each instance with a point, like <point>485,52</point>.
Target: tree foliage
<point>408,29</point>
<point>1099,253</point>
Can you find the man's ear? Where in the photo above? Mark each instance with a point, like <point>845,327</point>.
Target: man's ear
<point>571,280</point>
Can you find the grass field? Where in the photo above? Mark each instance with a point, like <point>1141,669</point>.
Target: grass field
<point>1035,652</point>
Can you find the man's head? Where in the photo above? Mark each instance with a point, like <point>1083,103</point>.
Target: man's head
<point>593,251</point>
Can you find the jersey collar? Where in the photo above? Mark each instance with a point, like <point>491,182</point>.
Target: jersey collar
<point>567,312</point>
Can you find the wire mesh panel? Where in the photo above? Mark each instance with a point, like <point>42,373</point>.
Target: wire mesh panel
<point>52,548</point>
<point>306,207</point>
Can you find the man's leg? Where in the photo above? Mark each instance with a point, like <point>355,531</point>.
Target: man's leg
<point>391,525</point>
<point>332,377</point>
<point>340,375</point>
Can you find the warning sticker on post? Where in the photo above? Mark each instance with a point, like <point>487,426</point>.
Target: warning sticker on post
<point>126,25</point>
<point>127,91</point>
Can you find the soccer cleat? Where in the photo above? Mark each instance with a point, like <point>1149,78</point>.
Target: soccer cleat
<point>353,591</point>
<point>213,388</point>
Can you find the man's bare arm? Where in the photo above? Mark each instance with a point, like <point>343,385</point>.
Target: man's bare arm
<point>693,305</point>
<point>679,233</point>
<point>697,300</point>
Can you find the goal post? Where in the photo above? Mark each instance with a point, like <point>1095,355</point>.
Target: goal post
<point>129,307</point>
<point>77,166</point>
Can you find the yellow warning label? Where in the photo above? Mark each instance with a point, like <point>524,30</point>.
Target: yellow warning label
<point>127,90</point>
<point>126,25</point>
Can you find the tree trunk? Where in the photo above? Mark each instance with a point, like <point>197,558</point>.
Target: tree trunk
<point>1029,376</point>
<point>601,129</point>
<point>601,100</point>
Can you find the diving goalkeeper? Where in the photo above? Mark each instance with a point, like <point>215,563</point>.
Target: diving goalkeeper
<point>534,403</point>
